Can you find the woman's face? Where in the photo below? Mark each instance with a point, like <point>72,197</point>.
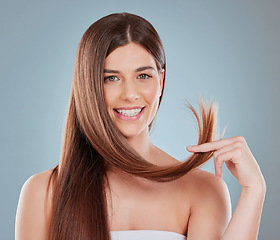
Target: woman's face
<point>132,87</point>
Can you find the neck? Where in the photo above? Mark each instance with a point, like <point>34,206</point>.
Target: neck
<point>142,145</point>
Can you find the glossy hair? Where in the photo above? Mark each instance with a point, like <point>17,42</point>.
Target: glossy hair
<point>92,143</point>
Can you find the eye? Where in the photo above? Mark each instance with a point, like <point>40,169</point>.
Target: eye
<point>111,79</point>
<point>144,76</point>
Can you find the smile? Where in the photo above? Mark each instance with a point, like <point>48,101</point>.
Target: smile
<point>129,113</point>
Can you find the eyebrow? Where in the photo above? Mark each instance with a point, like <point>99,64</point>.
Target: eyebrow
<point>136,70</point>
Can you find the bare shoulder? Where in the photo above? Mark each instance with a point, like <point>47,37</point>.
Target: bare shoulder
<point>210,205</point>
<point>35,187</point>
<point>37,182</point>
<point>33,211</point>
<point>206,183</point>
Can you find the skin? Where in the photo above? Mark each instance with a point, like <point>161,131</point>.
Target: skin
<point>199,200</point>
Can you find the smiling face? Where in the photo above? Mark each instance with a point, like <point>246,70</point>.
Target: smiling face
<point>132,87</point>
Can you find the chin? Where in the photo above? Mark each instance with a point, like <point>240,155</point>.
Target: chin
<point>130,134</point>
<point>131,131</point>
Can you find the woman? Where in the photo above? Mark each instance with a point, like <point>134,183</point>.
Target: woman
<point>112,182</point>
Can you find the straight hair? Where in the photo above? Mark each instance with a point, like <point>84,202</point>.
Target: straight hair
<point>92,142</point>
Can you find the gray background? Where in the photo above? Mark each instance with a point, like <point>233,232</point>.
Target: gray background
<point>224,50</point>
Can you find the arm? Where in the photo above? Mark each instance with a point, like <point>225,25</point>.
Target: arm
<point>210,210</point>
<point>245,221</point>
<point>32,212</point>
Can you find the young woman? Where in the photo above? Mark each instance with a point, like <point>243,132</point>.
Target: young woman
<point>112,182</point>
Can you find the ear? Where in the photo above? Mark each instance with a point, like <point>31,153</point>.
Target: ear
<point>162,74</point>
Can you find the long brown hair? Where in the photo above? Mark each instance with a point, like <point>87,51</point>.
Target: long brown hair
<point>92,142</point>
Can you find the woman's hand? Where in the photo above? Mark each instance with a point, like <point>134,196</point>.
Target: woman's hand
<point>238,158</point>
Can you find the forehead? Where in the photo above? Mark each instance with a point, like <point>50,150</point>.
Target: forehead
<point>130,56</point>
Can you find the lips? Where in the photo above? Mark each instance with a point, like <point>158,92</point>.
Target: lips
<point>129,113</point>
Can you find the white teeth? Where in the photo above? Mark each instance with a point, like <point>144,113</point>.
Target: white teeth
<point>130,113</point>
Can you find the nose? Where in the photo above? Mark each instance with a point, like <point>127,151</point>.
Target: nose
<point>129,91</point>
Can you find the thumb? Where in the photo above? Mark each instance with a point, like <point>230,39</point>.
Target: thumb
<point>219,169</point>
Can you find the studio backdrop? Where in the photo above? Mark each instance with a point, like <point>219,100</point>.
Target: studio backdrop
<point>225,51</point>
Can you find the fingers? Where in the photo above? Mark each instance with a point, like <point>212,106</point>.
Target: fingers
<point>211,146</point>
<point>238,158</point>
<point>228,156</point>
<point>219,157</point>
<point>215,145</point>
<point>225,150</point>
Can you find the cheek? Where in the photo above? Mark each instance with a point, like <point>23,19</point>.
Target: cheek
<point>109,96</point>
<point>152,93</point>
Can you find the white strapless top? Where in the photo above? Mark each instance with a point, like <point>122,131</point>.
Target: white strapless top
<point>146,235</point>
